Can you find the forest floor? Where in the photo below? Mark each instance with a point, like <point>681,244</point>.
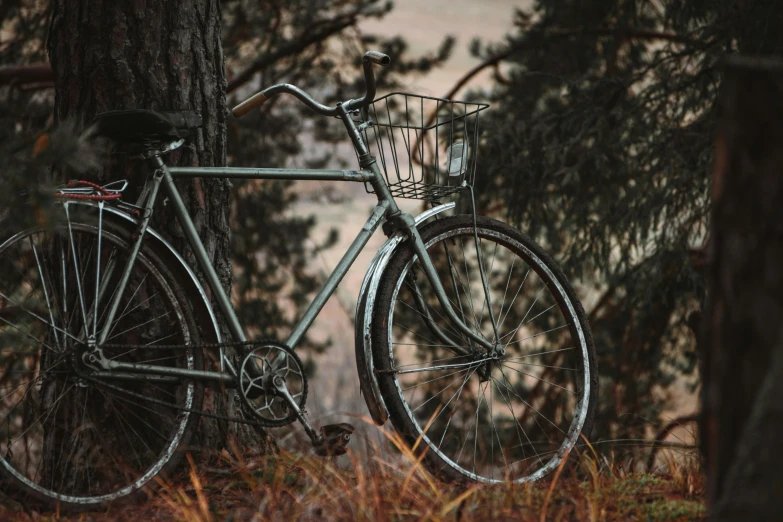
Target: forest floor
<point>295,486</point>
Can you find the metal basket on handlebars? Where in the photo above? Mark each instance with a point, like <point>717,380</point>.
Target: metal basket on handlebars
<point>426,147</point>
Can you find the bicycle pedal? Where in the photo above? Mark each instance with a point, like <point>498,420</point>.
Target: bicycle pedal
<point>334,439</point>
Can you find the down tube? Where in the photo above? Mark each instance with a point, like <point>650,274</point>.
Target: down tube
<point>337,275</point>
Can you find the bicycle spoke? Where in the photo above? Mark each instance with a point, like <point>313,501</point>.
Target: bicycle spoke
<point>455,381</point>
<point>539,353</point>
<point>433,380</point>
<point>414,333</point>
<point>425,317</point>
<point>125,310</point>
<point>440,367</point>
<point>33,314</point>
<point>462,387</point>
<point>544,366</point>
<point>538,334</point>
<point>46,293</point>
<point>530,406</point>
<point>138,326</point>
<point>28,335</point>
<point>489,274</point>
<point>511,304</point>
<point>454,271</point>
<point>540,379</point>
<point>447,321</point>
<point>51,409</point>
<point>511,335</point>
<point>432,361</point>
<point>516,421</point>
<point>470,286</point>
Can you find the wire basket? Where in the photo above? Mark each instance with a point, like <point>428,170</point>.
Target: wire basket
<point>426,147</point>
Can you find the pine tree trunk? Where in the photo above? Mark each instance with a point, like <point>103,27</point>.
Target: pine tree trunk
<point>743,337</point>
<point>160,55</point>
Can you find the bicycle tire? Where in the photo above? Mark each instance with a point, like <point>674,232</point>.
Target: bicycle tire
<point>153,434</point>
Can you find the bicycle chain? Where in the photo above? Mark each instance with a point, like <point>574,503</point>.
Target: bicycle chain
<point>170,405</point>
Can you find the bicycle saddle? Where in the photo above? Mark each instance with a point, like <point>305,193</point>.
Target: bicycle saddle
<point>141,126</point>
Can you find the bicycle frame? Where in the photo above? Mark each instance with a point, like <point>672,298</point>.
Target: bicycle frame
<point>386,208</point>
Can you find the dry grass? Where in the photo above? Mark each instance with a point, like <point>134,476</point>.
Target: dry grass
<point>295,486</point>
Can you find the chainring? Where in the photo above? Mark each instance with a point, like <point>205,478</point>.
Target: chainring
<point>261,363</point>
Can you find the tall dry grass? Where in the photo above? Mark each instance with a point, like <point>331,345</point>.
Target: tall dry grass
<point>373,483</point>
<point>296,486</point>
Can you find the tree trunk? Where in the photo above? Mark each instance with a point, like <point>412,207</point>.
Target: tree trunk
<point>743,333</point>
<point>161,55</point>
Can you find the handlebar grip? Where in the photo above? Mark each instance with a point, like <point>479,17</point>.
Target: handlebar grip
<point>377,58</point>
<point>257,100</point>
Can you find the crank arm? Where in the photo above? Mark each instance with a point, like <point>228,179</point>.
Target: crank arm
<point>333,438</point>
<point>279,385</point>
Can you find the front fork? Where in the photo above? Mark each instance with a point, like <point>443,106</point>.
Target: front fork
<point>492,349</point>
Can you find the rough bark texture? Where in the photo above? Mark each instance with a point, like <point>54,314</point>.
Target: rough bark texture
<point>743,327</point>
<point>165,55</point>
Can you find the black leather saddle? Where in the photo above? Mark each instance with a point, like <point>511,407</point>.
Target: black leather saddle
<point>142,127</point>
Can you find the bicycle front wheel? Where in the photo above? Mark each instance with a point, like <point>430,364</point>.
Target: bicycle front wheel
<point>510,417</point>
<point>70,434</point>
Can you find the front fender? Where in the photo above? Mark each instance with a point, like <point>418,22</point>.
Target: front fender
<point>364,314</point>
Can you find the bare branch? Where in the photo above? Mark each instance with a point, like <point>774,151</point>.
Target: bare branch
<point>28,77</point>
<point>679,421</point>
<point>293,47</point>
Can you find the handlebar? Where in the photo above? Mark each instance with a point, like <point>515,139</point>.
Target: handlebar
<point>258,99</point>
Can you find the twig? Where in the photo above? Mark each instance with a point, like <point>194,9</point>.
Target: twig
<point>25,76</point>
<point>293,47</point>
<point>657,443</point>
<point>542,518</point>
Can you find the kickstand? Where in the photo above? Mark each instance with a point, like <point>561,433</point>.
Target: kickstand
<point>332,439</point>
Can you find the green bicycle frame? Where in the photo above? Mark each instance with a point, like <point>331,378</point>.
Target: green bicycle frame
<point>386,208</point>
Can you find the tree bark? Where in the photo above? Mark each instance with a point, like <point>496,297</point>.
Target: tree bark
<point>742,369</point>
<point>160,55</point>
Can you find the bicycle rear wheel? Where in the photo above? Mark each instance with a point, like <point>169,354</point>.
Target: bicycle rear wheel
<point>69,435</point>
<point>513,417</point>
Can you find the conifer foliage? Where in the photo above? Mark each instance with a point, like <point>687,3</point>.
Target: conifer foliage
<point>600,146</point>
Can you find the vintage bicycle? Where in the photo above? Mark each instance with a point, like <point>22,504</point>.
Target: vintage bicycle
<point>469,338</point>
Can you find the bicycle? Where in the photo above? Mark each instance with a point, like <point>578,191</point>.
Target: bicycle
<point>469,338</point>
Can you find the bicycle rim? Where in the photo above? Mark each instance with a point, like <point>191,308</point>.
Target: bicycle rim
<point>514,418</point>
<point>66,437</point>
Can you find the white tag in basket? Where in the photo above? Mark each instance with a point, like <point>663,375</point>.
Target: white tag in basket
<point>457,162</point>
